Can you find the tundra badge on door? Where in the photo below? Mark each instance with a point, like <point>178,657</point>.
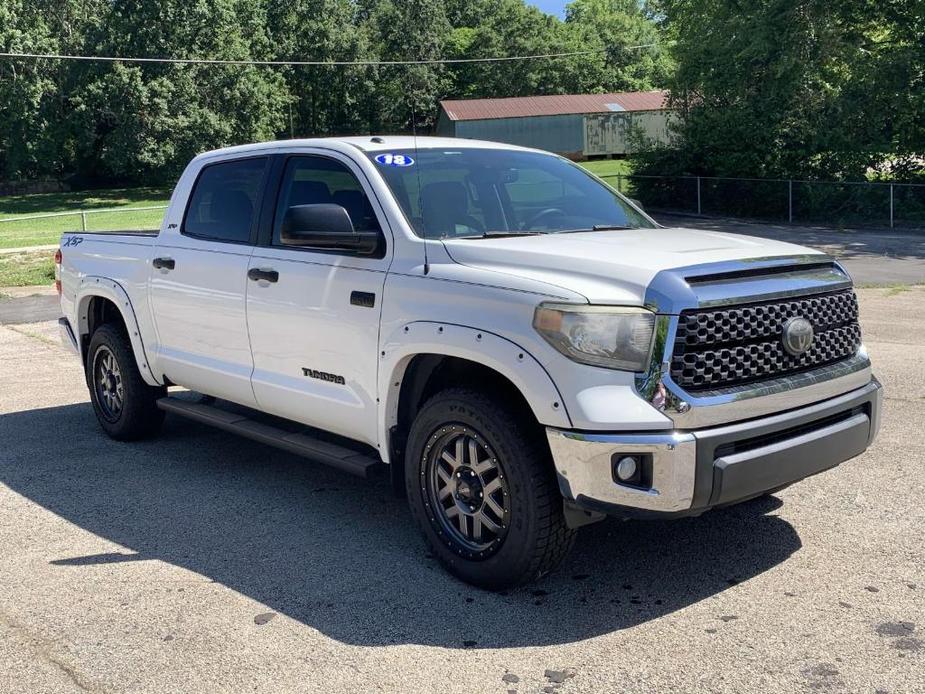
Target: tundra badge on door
<point>322,376</point>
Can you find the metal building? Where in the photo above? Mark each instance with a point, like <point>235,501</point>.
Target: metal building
<point>576,125</point>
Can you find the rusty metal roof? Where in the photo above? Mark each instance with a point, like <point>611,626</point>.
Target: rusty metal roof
<point>553,105</point>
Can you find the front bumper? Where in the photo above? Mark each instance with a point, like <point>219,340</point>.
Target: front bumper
<point>692,471</point>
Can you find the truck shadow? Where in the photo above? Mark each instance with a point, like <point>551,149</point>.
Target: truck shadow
<point>341,555</point>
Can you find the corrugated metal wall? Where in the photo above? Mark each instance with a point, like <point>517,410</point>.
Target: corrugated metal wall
<point>562,134</point>
<point>616,133</point>
<point>576,135</point>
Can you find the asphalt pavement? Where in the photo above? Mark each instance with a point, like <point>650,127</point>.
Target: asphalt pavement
<point>873,257</point>
<point>202,562</point>
<point>20,305</point>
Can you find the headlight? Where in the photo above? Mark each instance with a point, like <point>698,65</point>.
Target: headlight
<point>614,337</point>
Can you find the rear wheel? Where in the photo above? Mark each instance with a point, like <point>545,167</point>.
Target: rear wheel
<point>125,406</point>
<point>482,488</point>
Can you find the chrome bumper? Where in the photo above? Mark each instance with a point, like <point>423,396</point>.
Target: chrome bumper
<point>692,471</point>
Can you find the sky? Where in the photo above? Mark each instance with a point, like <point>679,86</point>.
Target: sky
<point>556,7</point>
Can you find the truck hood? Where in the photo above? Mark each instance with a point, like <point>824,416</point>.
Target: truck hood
<point>611,267</point>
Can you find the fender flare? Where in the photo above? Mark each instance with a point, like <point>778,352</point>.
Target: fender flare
<point>480,346</point>
<point>106,288</point>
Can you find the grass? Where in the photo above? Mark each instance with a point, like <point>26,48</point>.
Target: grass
<point>34,335</point>
<point>26,269</point>
<point>902,289</point>
<point>890,289</point>
<point>609,167</point>
<point>37,232</point>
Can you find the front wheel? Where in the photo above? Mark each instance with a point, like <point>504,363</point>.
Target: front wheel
<point>125,406</point>
<point>481,486</point>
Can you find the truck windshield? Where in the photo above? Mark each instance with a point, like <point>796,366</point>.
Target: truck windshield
<point>479,193</point>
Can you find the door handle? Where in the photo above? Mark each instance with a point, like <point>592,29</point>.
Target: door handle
<point>164,263</point>
<point>256,274</point>
<point>364,299</point>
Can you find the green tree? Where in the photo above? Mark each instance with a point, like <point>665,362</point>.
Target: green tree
<point>143,122</point>
<point>125,121</point>
<point>508,27</point>
<point>883,104</point>
<point>618,27</point>
<point>34,93</point>
<point>613,28</point>
<point>795,88</point>
<point>325,99</point>
<point>409,30</point>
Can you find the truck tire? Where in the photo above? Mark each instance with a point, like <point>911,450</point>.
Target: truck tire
<point>482,488</point>
<point>125,405</point>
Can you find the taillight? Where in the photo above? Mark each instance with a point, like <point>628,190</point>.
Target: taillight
<point>58,258</point>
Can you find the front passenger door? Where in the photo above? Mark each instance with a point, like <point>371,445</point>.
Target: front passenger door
<point>313,314</point>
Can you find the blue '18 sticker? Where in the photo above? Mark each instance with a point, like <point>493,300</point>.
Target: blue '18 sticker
<point>395,160</point>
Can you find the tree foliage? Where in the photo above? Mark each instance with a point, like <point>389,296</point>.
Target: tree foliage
<point>796,88</point>
<point>142,122</point>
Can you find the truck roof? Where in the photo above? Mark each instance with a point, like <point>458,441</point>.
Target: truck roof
<point>370,143</point>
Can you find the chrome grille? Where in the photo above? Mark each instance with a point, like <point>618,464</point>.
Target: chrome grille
<point>732,346</point>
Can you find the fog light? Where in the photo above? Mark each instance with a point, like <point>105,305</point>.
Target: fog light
<point>626,469</point>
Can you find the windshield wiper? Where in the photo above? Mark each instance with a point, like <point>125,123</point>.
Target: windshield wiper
<point>502,234</point>
<point>597,227</point>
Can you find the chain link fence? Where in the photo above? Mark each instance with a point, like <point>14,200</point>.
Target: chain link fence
<point>893,205</point>
<point>890,205</point>
<point>43,229</point>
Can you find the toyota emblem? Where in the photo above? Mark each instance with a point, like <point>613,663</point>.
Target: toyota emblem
<point>798,336</point>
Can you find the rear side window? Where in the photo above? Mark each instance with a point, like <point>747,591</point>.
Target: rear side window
<point>225,200</point>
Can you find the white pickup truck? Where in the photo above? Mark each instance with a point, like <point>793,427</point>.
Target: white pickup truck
<point>519,348</point>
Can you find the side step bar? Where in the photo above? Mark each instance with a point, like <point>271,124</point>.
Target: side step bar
<point>346,459</point>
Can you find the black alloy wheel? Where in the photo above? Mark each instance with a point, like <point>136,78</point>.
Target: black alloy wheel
<point>107,380</point>
<point>482,487</point>
<point>466,490</point>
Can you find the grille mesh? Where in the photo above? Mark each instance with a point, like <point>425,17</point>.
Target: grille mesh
<point>744,343</point>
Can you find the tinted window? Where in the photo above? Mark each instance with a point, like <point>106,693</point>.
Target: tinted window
<point>469,192</point>
<point>316,181</point>
<point>224,200</point>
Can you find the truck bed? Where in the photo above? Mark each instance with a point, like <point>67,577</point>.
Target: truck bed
<point>119,256</point>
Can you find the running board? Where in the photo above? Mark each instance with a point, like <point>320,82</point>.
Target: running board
<point>300,443</point>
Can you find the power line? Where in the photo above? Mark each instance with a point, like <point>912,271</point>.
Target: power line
<point>298,63</point>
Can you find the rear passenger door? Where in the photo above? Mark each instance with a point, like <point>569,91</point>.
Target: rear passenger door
<point>199,282</point>
<point>314,324</point>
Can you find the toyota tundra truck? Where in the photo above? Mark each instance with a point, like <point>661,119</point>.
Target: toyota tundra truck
<point>509,342</point>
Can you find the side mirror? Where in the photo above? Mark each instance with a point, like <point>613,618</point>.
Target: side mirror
<point>326,226</point>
